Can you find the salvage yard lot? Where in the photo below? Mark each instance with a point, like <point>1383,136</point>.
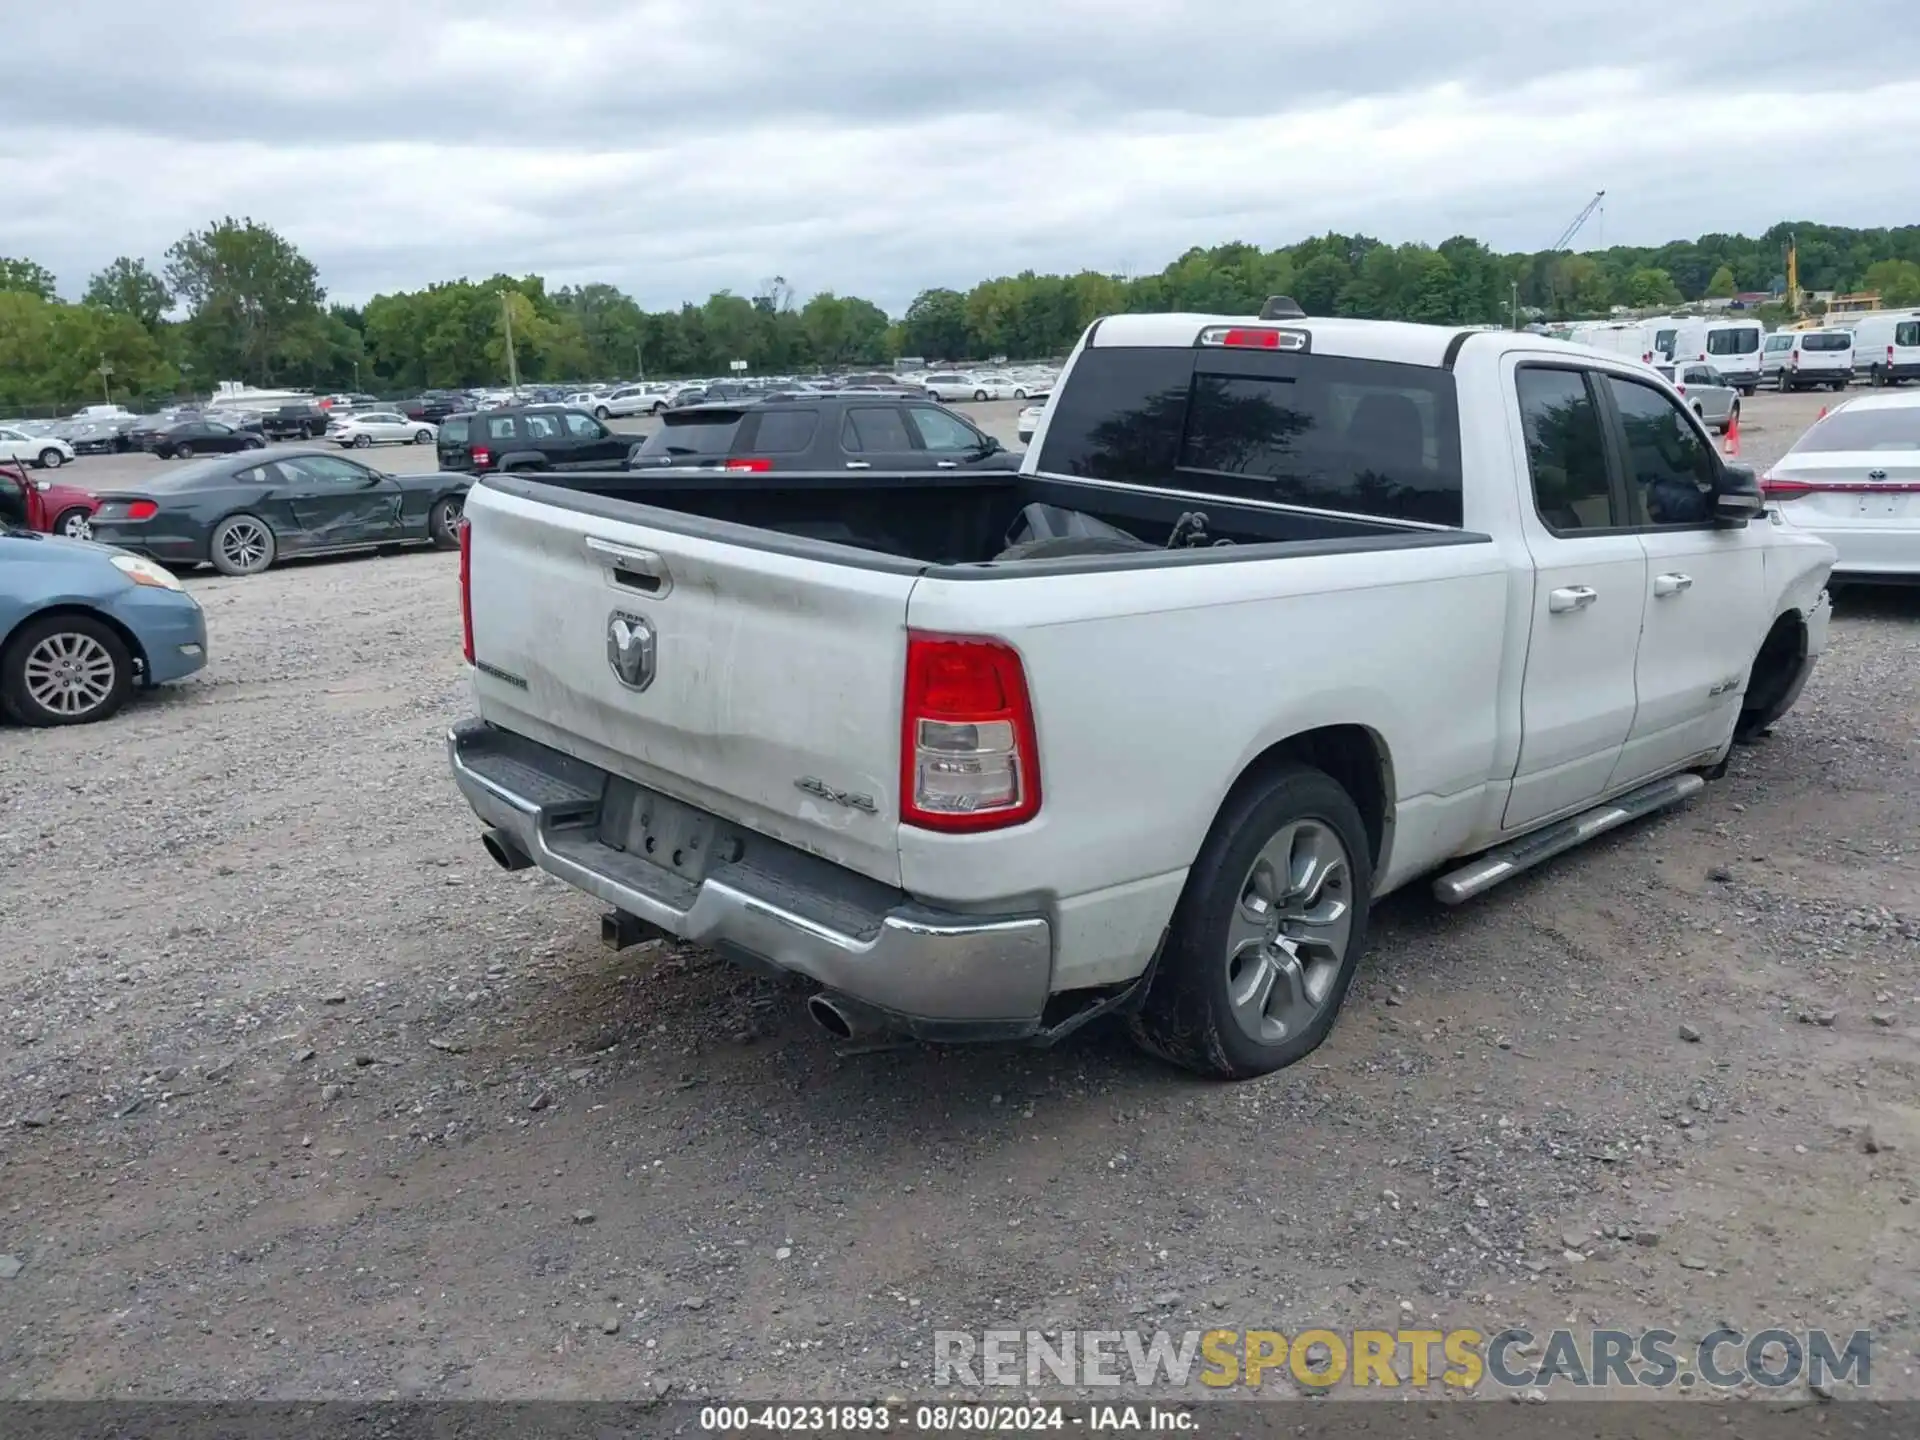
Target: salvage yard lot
<point>301,1096</point>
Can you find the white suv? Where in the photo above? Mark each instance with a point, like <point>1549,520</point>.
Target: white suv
<point>1802,359</point>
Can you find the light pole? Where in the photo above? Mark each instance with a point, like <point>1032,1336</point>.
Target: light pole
<point>106,369</point>
<point>1516,304</point>
<point>513,366</point>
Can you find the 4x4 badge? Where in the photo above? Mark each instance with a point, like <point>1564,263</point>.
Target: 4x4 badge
<point>630,649</point>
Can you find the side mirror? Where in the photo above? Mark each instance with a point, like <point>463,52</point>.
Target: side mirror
<point>990,445</point>
<point>1737,498</point>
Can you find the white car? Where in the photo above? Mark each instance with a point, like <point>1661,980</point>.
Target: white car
<point>628,400</point>
<point>1029,420</point>
<point>991,782</point>
<point>380,427</point>
<point>950,385</point>
<point>43,452</point>
<point>1854,480</point>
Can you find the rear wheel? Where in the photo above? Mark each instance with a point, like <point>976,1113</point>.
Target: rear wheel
<point>979,394</point>
<point>600,412</point>
<point>362,440</point>
<point>443,522</point>
<point>51,459</point>
<point>183,451</point>
<point>1268,931</point>
<point>243,545</point>
<point>75,524</point>
<point>65,670</point>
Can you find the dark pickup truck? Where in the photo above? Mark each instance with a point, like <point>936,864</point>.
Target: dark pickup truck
<point>304,420</point>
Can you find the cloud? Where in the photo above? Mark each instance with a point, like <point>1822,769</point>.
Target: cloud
<point>675,147</point>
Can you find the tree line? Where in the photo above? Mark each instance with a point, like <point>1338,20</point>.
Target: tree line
<point>238,301</point>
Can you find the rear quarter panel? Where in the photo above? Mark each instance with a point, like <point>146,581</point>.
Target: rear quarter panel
<point>1155,689</point>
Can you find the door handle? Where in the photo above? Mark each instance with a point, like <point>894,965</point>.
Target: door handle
<point>946,464</point>
<point>1571,597</point>
<point>633,568</point>
<point>1671,584</point>
<point>859,464</point>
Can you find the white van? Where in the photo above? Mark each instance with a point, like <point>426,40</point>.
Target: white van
<point>1647,341</point>
<point>1806,359</point>
<point>1886,344</point>
<point>1731,346</point>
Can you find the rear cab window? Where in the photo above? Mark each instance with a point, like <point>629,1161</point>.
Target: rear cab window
<point>1907,332</point>
<point>1732,342</point>
<point>1325,432</point>
<point>1827,340</point>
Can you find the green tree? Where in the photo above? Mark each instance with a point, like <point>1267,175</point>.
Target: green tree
<point>253,300</point>
<point>1896,281</point>
<point>27,277</point>
<point>1320,282</point>
<point>936,325</point>
<point>1722,285</point>
<point>1650,287</point>
<point>128,286</point>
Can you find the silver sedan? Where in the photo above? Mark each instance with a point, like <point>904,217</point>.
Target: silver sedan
<point>1714,400</point>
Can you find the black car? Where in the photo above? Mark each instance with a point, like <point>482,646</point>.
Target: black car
<point>821,432</point>
<point>243,512</point>
<point>189,438</point>
<point>529,437</point>
<point>303,420</point>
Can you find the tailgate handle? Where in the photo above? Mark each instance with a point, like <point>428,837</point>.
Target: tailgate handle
<point>630,568</point>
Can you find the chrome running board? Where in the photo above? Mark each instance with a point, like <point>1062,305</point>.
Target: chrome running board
<point>1506,861</point>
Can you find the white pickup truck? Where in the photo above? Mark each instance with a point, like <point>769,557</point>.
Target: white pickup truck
<point>1281,614</point>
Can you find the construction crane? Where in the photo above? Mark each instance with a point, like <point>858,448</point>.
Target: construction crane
<point>1566,235</point>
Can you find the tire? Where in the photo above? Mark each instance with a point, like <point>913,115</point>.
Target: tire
<point>75,524</point>
<point>242,545</point>
<point>1189,1015</point>
<point>1875,379</point>
<point>443,522</point>
<point>65,670</point>
<point>979,395</point>
<point>362,441</point>
<point>1770,689</point>
<point>600,413</point>
<point>1019,394</point>
<point>423,437</point>
<point>1839,386</point>
<point>1700,414</point>
<point>1782,384</point>
<point>657,408</point>
<point>252,444</point>
<point>182,452</point>
<point>50,459</point>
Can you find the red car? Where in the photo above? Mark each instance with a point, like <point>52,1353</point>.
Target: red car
<point>46,505</point>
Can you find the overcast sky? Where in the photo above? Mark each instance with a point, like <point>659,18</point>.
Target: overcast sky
<point>876,147</point>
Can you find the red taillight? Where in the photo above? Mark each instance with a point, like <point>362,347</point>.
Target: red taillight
<point>466,590</point>
<point>142,510</point>
<point>482,457</point>
<point>750,467</point>
<point>1793,489</point>
<point>1681,388</point>
<point>1889,352</point>
<point>969,758</point>
<point>1247,337</point>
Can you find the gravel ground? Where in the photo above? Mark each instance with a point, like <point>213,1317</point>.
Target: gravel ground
<point>299,1096</point>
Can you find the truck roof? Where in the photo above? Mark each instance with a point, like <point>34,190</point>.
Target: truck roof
<point>1390,340</point>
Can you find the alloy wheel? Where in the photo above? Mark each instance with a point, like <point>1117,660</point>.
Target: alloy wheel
<point>1288,937</point>
<point>244,544</point>
<point>69,673</point>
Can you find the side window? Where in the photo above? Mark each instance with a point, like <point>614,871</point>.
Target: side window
<point>454,430</point>
<point>500,427</point>
<point>216,429</point>
<point>541,427</point>
<point>876,427</point>
<point>1671,469</point>
<point>326,470</point>
<point>1565,453</point>
<point>1701,375</point>
<point>785,432</point>
<point>948,434</point>
<point>582,427</point>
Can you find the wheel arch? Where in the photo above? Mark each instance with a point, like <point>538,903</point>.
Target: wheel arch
<point>1356,757</point>
<point>91,612</point>
<point>1779,668</point>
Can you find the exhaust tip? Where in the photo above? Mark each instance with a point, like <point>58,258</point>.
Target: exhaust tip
<point>830,1017</point>
<point>506,854</point>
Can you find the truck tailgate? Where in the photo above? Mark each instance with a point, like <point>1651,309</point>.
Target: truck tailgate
<point>773,697</point>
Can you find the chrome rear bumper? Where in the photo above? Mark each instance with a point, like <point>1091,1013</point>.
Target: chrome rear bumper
<point>936,971</point>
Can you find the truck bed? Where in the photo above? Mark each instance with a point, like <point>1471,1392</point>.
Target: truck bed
<point>912,520</point>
